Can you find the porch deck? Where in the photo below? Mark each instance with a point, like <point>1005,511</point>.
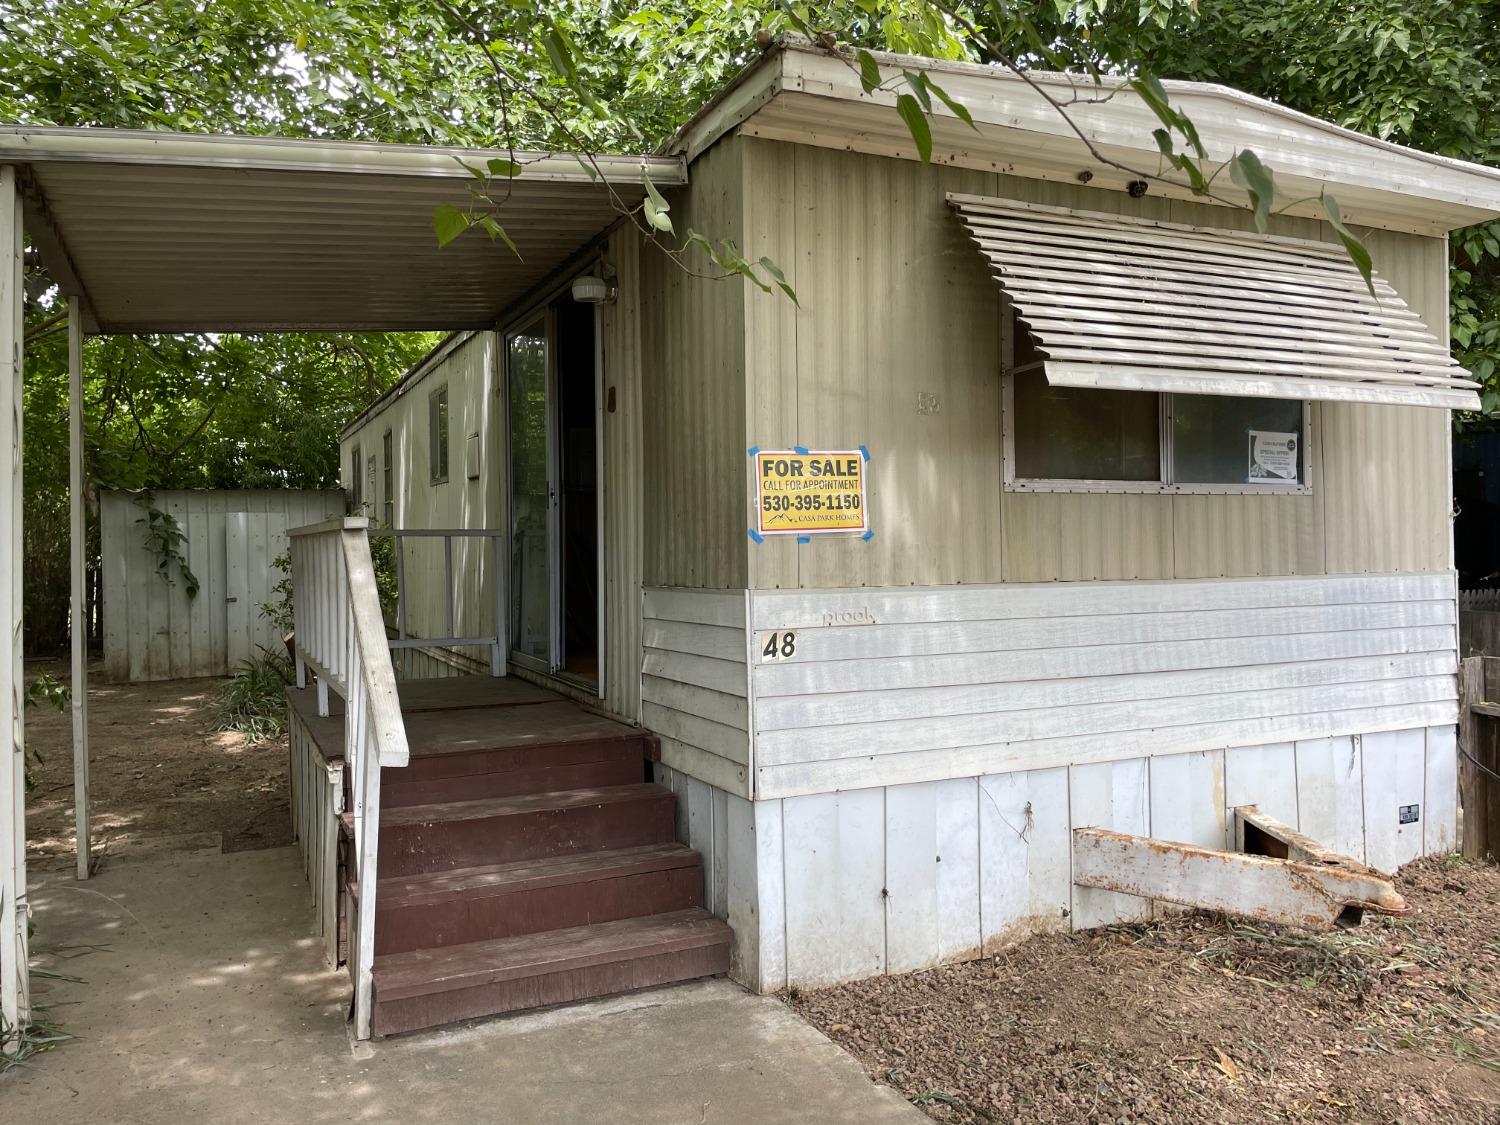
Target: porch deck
<point>525,859</point>
<point>456,714</point>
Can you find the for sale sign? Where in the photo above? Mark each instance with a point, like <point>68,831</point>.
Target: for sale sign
<point>810,492</point>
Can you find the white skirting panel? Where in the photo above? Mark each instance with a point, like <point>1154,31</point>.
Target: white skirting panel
<point>886,686</point>
<point>828,887</point>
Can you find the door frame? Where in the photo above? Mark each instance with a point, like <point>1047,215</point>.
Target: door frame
<point>517,324</point>
<point>546,665</point>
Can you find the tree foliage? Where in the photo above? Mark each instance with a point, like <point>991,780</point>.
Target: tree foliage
<point>620,75</point>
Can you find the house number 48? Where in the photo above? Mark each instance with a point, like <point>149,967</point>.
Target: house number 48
<point>779,646</point>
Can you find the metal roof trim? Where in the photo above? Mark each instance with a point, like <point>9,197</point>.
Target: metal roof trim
<point>23,144</point>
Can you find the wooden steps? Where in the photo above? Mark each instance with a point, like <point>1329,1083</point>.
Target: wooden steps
<point>441,837</point>
<point>524,861</point>
<point>468,904</point>
<point>510,771</point>
<point>427,987</point>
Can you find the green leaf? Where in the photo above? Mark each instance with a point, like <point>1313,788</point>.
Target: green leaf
<point>656,208</point>
<point>559,52</point>
<point>1154,94</point>
<point>1164,142</point>
<point>498,233</point>
<point>869,71</point>
<point>917,81</point>
<point>916,124</point>
<point>1248,172</point>
<point>503,169</point>
<point>1357,251</point>
<point>959,110</point>
<point>448,222</point>
<point>780,278</point>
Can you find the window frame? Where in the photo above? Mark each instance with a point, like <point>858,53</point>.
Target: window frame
<point>388,476</point>
<point>1164,486</point>
<point>439,434</point>
<point>356,478</point>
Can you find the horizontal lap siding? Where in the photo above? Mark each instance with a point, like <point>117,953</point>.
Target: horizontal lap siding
<point>694,688</point>
<point>945,683</point>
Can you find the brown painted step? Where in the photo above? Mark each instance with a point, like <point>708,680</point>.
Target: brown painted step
<point>428,987</point>
<point>534,895</point>
<point>508,772</point>
<point>441,837</point>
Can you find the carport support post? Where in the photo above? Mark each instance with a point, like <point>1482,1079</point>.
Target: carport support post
<point>79,615</point>
<point>15,1008</point>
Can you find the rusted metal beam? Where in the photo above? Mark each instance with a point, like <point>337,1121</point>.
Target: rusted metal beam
<point>1313,887</point>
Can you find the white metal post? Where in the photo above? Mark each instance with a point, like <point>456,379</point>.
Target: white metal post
<point>14,986</point>
<point>79,616</point>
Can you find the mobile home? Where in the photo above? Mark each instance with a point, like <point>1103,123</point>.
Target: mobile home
<point>1057,499</point>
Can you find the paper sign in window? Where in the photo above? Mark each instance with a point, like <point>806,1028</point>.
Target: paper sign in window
<point>1273,458</point>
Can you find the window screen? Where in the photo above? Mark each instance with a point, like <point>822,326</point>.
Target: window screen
<point>355,493</point>
<point>437,434</point>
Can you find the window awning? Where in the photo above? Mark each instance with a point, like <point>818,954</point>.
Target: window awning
<point>1132,304</point>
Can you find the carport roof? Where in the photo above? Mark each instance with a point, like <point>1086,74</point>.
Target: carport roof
<point>171,232</point>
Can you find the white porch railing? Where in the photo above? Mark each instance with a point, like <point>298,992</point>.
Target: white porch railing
<point>341,637</point>
<point>494,641</point>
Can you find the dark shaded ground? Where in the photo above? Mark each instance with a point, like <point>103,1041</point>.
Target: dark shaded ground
<point>1203,1018</point>
<point>161,777</point>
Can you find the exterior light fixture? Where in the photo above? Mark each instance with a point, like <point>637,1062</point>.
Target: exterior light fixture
<point>591,290</point>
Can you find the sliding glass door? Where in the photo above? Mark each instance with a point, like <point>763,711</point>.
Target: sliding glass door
<point>533,497</point>
<point>556,525</point>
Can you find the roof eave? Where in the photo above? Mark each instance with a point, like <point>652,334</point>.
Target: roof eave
<point>1408,189</point>
<point>21,144</point>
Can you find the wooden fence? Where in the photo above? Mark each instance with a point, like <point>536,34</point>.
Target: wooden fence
<point>1479,755</point>
<point>153,628</point>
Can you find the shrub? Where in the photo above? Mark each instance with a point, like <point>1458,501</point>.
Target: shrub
<point>253,700</point>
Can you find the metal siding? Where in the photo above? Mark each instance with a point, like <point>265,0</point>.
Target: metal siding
<point>623,495</point>
<point>470,371</point>
<point>693,392</point>
<point>861,234</point>
<point>695,690</point>
<point>948,682</point>
<point>820,852</point>
<point>1385,469</point>
<point>893,301</point>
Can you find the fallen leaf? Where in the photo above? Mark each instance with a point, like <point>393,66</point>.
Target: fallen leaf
<point>1227,1065</point>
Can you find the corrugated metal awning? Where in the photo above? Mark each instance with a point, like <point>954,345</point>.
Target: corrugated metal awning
<point>169,232</point>
<point>1132,304</point>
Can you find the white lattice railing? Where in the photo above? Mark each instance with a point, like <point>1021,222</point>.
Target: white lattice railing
<point>341,639</point>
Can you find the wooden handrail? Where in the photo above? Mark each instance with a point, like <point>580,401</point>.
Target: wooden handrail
<point>379,677</point>
<point>338,523</point>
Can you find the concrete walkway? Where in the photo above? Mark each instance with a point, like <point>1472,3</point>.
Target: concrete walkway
<point>205,1001</point>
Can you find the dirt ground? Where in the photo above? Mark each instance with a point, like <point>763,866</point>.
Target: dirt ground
<point>160,777</point>
<point>1202,1018</point>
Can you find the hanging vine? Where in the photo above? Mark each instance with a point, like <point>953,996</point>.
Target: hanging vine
<point>164,539</point>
